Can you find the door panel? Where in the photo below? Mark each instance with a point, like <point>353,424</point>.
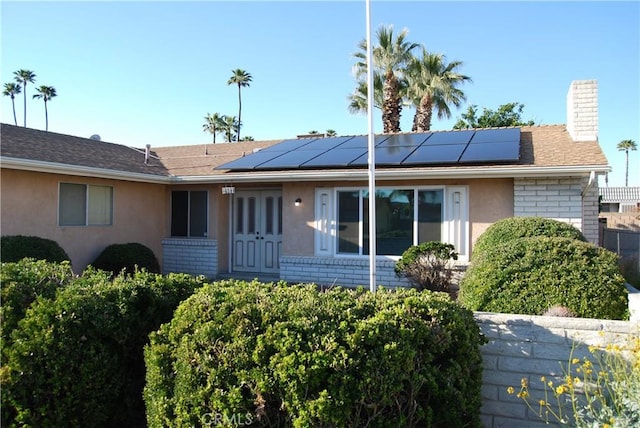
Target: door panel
<point>257,238</point>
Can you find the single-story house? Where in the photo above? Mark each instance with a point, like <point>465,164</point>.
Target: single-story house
<point>297,209</point>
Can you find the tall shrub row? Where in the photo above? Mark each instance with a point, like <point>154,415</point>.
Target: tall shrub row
<point>276,355</point>
<point>76,358</point>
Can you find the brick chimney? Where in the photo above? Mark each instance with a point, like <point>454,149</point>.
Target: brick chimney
<point>582,110</point>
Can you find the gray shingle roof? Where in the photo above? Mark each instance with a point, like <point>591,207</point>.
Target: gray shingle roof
<point>35,145</point>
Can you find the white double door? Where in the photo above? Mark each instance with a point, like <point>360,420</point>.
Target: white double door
<point>257,231</point>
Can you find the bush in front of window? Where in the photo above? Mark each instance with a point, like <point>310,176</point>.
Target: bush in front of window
<point>77,359</point>
<point>16,247</point>
<point>427,266</point>
<point>239,353</point>
<point>118,257</point>
<point>531,275</point>
<point>522,227</point>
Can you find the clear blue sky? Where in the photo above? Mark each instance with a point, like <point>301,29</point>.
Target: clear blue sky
<point>148,72</point>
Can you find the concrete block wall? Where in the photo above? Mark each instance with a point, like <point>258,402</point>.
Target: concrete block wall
<point>558,198</point>
<point>343,271</point>
<point>522,346</point>
<point>192,256</point>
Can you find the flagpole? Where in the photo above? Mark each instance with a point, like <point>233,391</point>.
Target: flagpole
<point>371,156</point>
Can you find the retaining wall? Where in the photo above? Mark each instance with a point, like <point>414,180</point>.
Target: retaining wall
<point>522,346</point>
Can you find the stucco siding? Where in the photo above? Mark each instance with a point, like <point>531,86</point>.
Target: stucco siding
<point>490,200</point>
<point>30,207</point>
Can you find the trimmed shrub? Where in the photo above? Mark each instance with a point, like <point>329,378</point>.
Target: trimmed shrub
<point>427,266</point>
<point>77,359</point>
<point>521,227</point>
<point>17,247</point>
<point>118,257</point>
<point>275,355</point>
<point>531,275</point>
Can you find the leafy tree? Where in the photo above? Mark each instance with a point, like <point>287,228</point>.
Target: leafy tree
<point>314,132</point>
<point>391,54</point>
<point>12,89</point>
<point>432,84</point>
<point>240,78</point>
<point>229,124</point>
<point>509,114</point>
<point>248,138</point>
<point>45,93</point>
<point>626,145</point>
<point>23,77</point>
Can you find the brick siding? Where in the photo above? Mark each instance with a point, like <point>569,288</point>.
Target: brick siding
<point>192,256</point>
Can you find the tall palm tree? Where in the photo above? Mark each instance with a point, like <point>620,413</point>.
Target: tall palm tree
<point>23,77</point>
<point>240,78</point>
<point>46,93</point>
<point>358,99</point>
<point>229,125</point>
<point>12,89</point>
<point>330,133</point>
<point>432,84</point>
<point>390,56</point>
<point>626,145</point>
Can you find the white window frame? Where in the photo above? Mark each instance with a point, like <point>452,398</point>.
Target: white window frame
<point>88,205</point>
<point>454,227</point>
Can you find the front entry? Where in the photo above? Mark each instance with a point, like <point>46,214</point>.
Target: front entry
<point>257,231</point>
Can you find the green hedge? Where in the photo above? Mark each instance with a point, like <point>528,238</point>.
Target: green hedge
<point>521,227</point>
<point>127,257</point>
<point>16,247</point>
<point>77,359</point>
<point>531,275</point>
<point>281,356</point>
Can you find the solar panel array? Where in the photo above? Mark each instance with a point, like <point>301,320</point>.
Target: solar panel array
<point>431,148</point>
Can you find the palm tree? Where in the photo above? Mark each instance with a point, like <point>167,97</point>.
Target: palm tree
<point>240,78</point>
<point>24,76</point>
<point>627,145</point>
<point>229,124</point>
<point>46,93</point>
<point>432,85</point>
<point>358,100</point>
<point>390,56</point>
<point>330,133</point>
<point>12,89</point>
<point>213,124</point>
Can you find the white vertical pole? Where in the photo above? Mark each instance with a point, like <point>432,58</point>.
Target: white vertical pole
<point>371,157</point>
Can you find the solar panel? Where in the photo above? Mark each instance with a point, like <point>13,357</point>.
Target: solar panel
<point>450,137</point>
<point>491,152</point>
<point>292,159</point>
<point>404,140</point>
<point>335,158</point>
<point>251,161</point>
<point>496,135</point>
<point>411,149</point>
<point>385,156</point>
<point>425,154</point>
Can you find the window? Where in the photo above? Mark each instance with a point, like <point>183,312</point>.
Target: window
<point>189,213</point>
<point>404,217</point>
<point>85,205</point>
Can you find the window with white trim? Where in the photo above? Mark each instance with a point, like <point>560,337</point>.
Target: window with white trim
<point>85,205</point>
<point>189,213</point>
<point>405,216</point>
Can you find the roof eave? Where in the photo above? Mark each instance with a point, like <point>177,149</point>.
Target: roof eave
<point>84,171</point>
<point>396,174</point>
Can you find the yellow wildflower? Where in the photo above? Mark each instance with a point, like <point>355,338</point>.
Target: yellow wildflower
<point>523,382</point>
<point>575,361</point>
<point>543,403</point>
<point>560,389</point>
<point>510,390</point>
